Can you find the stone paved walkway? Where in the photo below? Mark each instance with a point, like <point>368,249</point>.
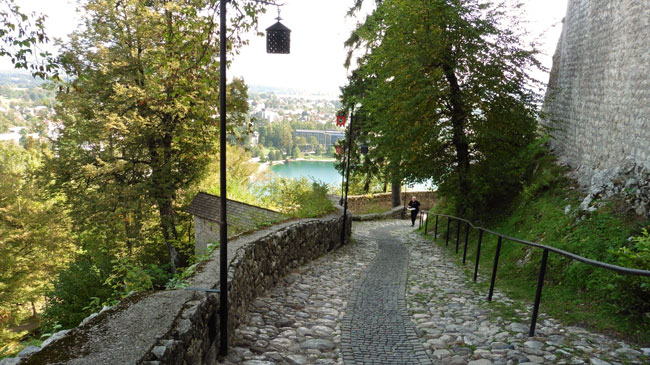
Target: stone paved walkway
<point>307,319</point>
<point>376,328</point>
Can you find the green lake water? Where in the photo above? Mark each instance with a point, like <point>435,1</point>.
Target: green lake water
<point>323,171</point>
<point>318,170</point>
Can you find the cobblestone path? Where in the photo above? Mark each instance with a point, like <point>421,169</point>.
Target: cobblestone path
<point>308,318</point>
<point>376,328</point>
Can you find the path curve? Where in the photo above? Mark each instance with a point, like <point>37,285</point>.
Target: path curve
<point>376,328</point>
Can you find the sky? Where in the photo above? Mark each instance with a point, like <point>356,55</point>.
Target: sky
<point>319,28</point>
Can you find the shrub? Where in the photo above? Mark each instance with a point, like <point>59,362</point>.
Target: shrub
<point>635,290</point>
<point>76,287</point>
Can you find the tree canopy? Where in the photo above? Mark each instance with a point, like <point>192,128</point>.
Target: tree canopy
<point>139,115</point>
<point>441,91</point>
<point>34,232</point>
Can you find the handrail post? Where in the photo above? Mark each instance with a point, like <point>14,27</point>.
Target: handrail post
<point>478,252</point>
<point>465,247</point>
<point>448,226</point>
<point>538,294</point>
<point>457,235</point>
<point>426,223</point>
<point>435,236</point>
<point>494,269</point>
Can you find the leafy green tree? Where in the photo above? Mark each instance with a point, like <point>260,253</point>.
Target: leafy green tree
<point>444,94</point>
<point>313,141</point>
<point>282,136</point>
<point>295,152</point>
<point>301,141</point>
<point>138,113</point>
<point>35,240</point>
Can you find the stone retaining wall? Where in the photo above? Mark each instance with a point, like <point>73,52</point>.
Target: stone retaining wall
<point>181,326</point>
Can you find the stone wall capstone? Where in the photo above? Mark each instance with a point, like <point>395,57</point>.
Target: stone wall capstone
<point>598,97</point>
<point>181,326</point>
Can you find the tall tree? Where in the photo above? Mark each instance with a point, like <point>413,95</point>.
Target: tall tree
<point>138,116</point>
<point>444,88</point>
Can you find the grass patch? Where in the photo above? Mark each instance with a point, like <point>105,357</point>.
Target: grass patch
<point>575,293</point>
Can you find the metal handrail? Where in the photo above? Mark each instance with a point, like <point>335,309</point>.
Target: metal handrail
<point>619,269</point>
<point>424,220</point>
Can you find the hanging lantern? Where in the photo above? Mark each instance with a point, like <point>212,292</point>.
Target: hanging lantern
<point>278,38</point>
<point>339,149</point>
<point>340,121</point>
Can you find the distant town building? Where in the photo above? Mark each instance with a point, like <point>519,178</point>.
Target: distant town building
<point>326,138</point>
<point>15,134</point>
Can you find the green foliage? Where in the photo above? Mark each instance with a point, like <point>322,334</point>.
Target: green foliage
<point>278,135</point>
<point>179,280</point>
<point>275,155</point>
<point>136,114</point>
<point>35,239</point>
<point>240,174</point>
<point>442,93</point>
<point>574,292</point>
<point>635,290</point>
<point>127,277</point>
<point>298,198</point>
<point>12,351</point>
<point>77,292</point>
<point>295,152</point>
<point>20,38</point>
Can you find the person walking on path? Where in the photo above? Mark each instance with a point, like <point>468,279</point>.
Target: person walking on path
<point>414,207</point>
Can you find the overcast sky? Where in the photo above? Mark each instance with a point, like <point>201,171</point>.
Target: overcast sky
<point>319,28</point>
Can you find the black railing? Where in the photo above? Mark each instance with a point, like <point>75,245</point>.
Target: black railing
<point>424,218</point>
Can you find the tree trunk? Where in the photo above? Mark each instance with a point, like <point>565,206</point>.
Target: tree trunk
<point>169,232</point>
<point>366,186</point>
<point>396,188</point>
<point>459,140</point>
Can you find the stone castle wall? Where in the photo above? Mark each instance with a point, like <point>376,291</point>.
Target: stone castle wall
<point>598,99</point>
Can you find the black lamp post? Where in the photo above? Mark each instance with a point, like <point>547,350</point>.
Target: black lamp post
<point>280,44</point>
<point>364,150</point>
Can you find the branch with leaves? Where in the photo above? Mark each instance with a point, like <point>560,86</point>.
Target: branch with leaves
<point>21,38</point>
